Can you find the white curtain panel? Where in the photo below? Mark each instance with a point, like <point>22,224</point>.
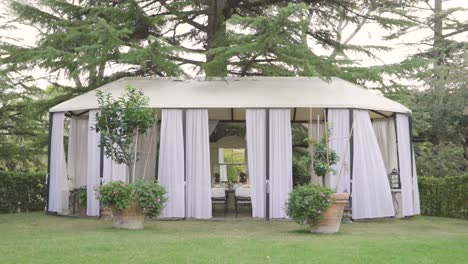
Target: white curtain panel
<point>58,171</point>
<point>112,171</point>
<point>197,161</point>
<point>222,167</point>
<point>78,152</point>
<point>94,160</point>
<point>416,205</point>
<point>280,161</point>
<point>256,155</point>
<point>371,196</point>
<point>171,162</point>
<point>340,142</point>
<point>147,149</point>
<point>385,132</point>
<point>404,151</point>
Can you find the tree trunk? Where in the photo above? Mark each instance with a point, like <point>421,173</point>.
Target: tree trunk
<point>217,13</point>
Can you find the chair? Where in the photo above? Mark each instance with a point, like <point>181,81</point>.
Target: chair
<point>218,196</point>
<point>242,198</point>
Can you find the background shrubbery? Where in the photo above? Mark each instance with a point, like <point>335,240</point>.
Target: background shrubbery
<point>20,192</point>
<point>444,196</point>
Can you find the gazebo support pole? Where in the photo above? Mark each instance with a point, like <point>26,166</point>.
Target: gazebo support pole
<point>267,159</point>
<point>410,120</point>
<point>184,133</point>
<point>351,157</point>
<point>397,148</point>
<point>49,150</point>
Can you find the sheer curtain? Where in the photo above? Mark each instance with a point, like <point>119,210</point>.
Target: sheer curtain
<point>78,152</point>
<point>58,172</point>
<point>386,137</point>
<point>172,163</point>
<point>371,197</point>
<point>147,149</point>
<point>255,121</point>
<point>94,159</point>
<point>404,151</point>
<point>197,161</point>
<point>340,142</point>
<point>280,161</point>
<point>222,167</point>
<point>112,171</point>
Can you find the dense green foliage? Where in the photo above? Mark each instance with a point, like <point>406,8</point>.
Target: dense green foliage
<point>447,196</point>
<point>308,203</point>
<point>82,197</point>
<point>22,192</point>
<point>82,45</point>
<point>149,195</point>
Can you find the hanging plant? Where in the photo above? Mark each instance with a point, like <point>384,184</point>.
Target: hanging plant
<point>324,157</point>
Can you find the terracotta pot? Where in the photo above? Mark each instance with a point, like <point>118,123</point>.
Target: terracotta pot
<point>130,218</point>
<point>332,217</point>
<point>82,211</point>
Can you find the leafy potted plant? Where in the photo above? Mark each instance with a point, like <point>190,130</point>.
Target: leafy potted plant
<point>131,202</point>
<point>318,206</point>
<point>120,122</point>
<point>82,201</point>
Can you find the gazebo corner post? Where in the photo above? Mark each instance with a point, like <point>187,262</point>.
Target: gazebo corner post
<point>397,147</point>
<point>49,152</point>
<point>184,138</point>
<point>267,161</point>
<point>351,156</point>
<point>411,145</point>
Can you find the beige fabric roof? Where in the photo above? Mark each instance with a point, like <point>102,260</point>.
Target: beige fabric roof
<point>299,93</point>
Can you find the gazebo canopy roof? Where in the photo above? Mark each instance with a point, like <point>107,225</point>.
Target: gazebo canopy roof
<point>239,93</point>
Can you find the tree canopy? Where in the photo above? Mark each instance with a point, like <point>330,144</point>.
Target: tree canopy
<point>83,44</point>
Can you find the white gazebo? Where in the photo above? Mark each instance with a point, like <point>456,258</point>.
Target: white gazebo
<point>370,133</point>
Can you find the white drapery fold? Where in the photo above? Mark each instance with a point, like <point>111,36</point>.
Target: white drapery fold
<point>340,142</point>
<point>405,158</point>
<point>112,171</point>
<point>197,158</point>
<point>371,196</point>
<point>256,155</point>
<point>416,204</point>
<point>280,156</point>
<point>78,152</point>
<point>171,167</point>
<point>386,138</point>
<point>58,183</point>
<point>147,149</point>
<point>94,160</point>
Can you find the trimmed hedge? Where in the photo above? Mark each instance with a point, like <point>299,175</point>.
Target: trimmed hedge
<point>444,196</point>
<point>22,192</point>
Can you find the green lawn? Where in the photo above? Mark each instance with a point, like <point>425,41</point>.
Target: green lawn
<point>37,238</point>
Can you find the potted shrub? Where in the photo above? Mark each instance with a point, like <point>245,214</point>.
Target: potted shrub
<point>318,206</point>
<point>120,122</point>
<point>131,202</point>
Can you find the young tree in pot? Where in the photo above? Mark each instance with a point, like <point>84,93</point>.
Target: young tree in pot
<point>120,122</point>
<point>318,206</point>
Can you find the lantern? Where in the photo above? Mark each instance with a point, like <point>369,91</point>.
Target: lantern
<point>394,179</point>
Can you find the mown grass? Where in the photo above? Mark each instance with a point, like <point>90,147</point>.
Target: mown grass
<point>37,238</point>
